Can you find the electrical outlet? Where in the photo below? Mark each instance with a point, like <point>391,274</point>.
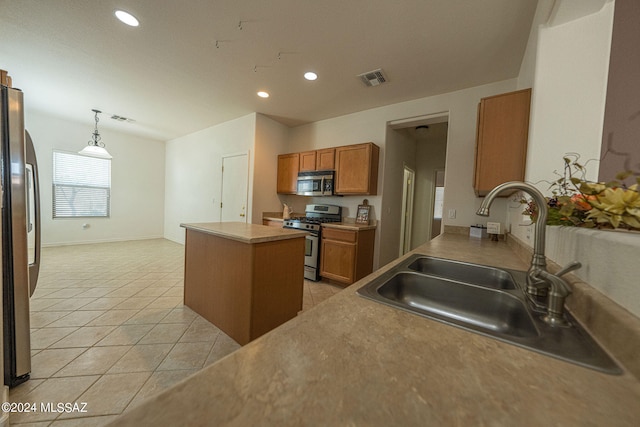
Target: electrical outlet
<point>452,214</point>
<point>493,227</point>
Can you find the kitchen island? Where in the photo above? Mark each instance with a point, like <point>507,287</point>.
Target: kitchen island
<point>353,361</point>
<point>246,279</point>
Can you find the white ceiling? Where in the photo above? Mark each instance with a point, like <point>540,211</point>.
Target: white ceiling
<point>70,56</point>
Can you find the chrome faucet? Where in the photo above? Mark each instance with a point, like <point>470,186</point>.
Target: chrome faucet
<point>539,280</point>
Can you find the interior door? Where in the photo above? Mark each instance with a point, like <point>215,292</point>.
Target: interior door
<point>235,179</point>
<point>406,222</point>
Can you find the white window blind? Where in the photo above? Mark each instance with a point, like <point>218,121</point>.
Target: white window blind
<point>81,186</point>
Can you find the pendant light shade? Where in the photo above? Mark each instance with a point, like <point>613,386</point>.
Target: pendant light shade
<point>95,147</point>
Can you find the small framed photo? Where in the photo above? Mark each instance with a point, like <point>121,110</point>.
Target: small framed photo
<point>362,217</point>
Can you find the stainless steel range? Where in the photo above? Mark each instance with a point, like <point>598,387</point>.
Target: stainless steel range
<point>315,216</point>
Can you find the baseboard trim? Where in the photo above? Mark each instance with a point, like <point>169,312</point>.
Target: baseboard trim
<point>89,242</point>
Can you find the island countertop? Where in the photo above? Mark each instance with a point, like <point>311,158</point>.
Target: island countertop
<point>243,232</point>
<point>352,361</point>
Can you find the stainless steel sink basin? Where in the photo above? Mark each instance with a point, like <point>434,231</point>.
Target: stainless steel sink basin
<point>460,303</point>
<point>471,273</point>
<point>479,299</point>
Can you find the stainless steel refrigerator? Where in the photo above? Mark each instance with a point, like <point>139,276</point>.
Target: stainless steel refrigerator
<point>20,235</point>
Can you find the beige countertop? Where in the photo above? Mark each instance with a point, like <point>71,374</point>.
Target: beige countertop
<point>243,232</point>
<point>350,361</point>
<point>349,225</point>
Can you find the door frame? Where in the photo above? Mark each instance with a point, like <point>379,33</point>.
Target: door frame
<point>433,202</point>
<point>246,196</point>
<point>406,220</point>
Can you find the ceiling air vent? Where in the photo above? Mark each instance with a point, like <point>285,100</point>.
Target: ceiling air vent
<point>122,119</point>
<point>373,78</point>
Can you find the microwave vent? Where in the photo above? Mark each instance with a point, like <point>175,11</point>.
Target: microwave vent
<point>373,78</point>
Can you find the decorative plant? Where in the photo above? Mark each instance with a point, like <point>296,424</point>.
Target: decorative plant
<point>576,201</point>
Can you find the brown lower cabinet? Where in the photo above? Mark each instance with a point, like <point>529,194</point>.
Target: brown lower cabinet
<point>346,255</point>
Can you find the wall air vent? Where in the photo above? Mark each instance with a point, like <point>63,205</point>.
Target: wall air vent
<point>373,78</point>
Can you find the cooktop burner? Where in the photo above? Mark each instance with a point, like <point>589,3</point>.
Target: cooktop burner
<point>312,220</point>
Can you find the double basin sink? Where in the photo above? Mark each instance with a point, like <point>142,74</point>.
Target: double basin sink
<point>486,300</point>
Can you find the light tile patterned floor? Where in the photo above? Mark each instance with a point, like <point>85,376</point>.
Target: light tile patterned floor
<point>109,329</point>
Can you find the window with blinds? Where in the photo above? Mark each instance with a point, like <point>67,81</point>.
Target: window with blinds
<point>81,186</point>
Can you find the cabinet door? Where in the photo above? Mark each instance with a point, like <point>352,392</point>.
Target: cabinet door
<point>337,261</point>
<point>288,166</point>
<point>326,159</point>
<point>307,161</point>
<point>501,146</point>
<point>357,169</point>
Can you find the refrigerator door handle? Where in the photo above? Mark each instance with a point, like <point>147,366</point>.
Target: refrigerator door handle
<point>34,268</point>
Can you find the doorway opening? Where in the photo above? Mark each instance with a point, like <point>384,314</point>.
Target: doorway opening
<point>421,146</point>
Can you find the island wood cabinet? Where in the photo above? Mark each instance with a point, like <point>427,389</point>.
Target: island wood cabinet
<point>346,256</point>
<point>501,140</point>
<point>246,279</point>
<point>357,169</point>
<point>288,167</point>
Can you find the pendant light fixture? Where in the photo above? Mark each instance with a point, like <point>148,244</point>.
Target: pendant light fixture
<point>95,147</point>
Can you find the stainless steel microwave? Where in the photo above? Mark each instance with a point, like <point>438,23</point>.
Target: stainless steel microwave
<point>316,183</point>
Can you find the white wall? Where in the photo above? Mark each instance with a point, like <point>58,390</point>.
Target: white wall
<point>137,182</point>
<point>567,108</point>
<point>270,140</point>
<point>570,75</point>
<point>194,171</point>
<point>371,125</point>
<point>569,93</point>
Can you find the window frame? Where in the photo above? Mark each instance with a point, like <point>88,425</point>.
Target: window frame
<point>55,214</point>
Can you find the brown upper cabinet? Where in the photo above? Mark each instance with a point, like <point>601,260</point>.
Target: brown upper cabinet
<point>288,167</point>
<point>307,161</point>
<point>357,169</point>
<point>501,140</point>
<point>326,159</point>
<point>319,160</point>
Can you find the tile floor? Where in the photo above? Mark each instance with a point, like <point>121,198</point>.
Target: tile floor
<point>109,329</point>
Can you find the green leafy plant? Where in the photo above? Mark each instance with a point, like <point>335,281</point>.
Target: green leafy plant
<point>575,201</point>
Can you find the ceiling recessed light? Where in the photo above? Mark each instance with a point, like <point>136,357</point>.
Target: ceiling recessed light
<point>263,94</point>
<point>310,75</point>
<point>127,18</point>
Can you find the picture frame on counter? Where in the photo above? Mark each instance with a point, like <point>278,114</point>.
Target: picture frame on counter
<point>362,216</point>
